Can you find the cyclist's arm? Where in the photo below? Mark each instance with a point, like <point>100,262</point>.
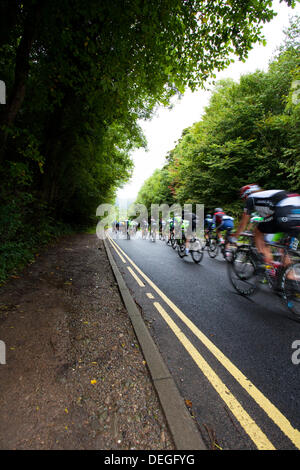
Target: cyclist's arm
<point>243,224</point>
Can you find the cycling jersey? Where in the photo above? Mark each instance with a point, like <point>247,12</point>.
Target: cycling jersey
<point>256,218</point>
<point>223,221</point>
<point>185,224</point>
<point>264,202</point>
<point>171,224</point>
<point>280,210</point>
<point>218,217</point>
<point>209,223</point>
<point>227,224</point>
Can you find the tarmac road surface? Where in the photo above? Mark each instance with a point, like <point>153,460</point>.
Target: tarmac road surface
<point>230,356</point>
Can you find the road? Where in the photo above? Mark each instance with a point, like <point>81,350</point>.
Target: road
<point>231,357</point>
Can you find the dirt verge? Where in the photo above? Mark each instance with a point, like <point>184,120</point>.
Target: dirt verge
<point>74,377</point>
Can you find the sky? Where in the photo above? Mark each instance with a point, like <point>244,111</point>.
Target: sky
<point>165,128</point>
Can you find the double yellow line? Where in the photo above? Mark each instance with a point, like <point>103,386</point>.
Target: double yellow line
<point>251,428</point>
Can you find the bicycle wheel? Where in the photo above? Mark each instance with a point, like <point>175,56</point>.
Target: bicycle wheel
<point>181,250</point>
<point>290,284</point>
<point>213,248</point>
<point>173,242</point>
<point>197,251</point>
<point>242,272</point>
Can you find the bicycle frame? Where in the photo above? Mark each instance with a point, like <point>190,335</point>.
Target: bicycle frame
<point>218,244</point>
<point>247,268</point>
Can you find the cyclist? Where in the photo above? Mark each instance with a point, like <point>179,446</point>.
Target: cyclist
<point>122,227</point>
<point>115,226</point>
<point>222,222</point>
<point>171,225</point>
<point>153,229</point>
<point>280,211</point>
<point>132,227</point>
<point>209,225</point>
<point>127,228</point>
<point>166,229</point>
<point>177,223</point>
<point>188,226</point>
<point>272,238</point>
<point>162,229</point>
<point>144,228</point>
<point>184,227</point>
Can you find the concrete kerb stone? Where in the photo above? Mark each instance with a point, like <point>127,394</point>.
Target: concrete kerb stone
<point>183,429</point>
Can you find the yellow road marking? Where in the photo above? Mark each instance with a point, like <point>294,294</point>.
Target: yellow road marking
<point>119,254</point>
<point>255,433</point>
<point>140,283</point>
<point>273,413</point>
<point>150,296</point>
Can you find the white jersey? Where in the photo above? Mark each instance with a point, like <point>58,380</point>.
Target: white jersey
<point>264,202</point>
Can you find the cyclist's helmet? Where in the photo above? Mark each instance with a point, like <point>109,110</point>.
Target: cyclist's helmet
<point>218,209</point>
<point>208,216</point>
<point>245,191</point>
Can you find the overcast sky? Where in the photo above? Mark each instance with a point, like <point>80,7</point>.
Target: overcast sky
<point>165,128</point>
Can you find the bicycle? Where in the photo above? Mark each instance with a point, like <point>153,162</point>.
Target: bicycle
<point>247,268</point>
<point>214,244</point>
<point>170,239</point>
<point>196,249</point>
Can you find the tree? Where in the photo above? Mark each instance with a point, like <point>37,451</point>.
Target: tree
<point>79,75</point>
<point>248,133</point>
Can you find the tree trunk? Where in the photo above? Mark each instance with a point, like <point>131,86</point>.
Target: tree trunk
<point>17,94</point>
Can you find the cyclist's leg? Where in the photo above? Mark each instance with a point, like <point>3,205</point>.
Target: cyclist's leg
<point>260,231</point>
<point>218,232</point>
<point>278,238</point>
<point>187,244</point>
<point>227,236</point>
<point>206,234</point>
<point>261,246</point>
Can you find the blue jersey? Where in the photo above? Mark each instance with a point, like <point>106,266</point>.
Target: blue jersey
<point>209,224</point>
